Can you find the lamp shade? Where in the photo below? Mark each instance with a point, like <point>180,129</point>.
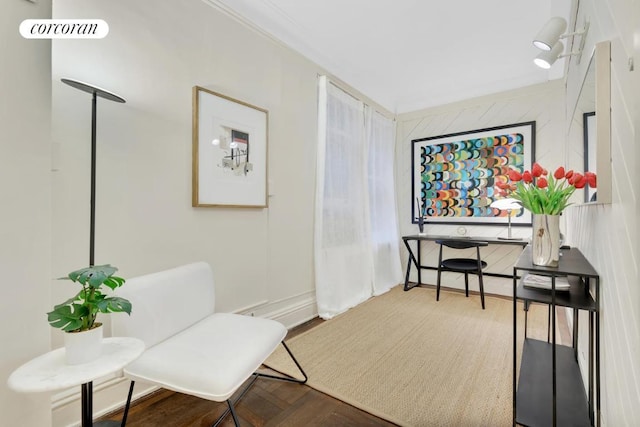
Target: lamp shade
<point>509,205</point>
<point>546,59</point>
<point>550,33</point>
<point>92,89</point>
<point>506,204</point>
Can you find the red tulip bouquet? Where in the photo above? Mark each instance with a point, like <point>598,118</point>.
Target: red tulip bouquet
<point>541,193</point>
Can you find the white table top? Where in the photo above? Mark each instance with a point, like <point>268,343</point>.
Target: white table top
<point>50,371</point>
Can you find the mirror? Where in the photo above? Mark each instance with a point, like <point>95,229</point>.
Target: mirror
<point>589,136</point>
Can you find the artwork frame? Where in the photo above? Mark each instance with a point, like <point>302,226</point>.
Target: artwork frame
<point>229,151</point>
<point>453,176</point>
<point>590,164</point>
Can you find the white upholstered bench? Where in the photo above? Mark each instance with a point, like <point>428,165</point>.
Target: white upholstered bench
<point>190,348</point>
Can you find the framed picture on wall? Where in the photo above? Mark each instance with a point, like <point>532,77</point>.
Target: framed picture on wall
<point>454,176</point>
<point>589,129</point>
<point>229,151</point>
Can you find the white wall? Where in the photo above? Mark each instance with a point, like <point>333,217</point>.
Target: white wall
<point>608,234</point>
<point>542,103</point>
<point>154,54</point>
<point>25,218</point>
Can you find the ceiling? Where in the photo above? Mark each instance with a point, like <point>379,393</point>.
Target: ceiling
<point>411,54</point>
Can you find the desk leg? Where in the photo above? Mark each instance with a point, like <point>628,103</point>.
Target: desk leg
<point>419,263</point>
<point>411,259</point>
<point>406,277</point>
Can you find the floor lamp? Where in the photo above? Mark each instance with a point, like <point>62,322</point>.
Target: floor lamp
<point>507,205</point>
<point>87,389</point>
<point>95,93</point>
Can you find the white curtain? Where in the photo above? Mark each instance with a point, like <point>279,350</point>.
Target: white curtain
<point>382,203</point>
<point>346,222</point>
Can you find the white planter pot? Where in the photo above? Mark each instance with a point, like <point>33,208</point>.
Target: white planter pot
<point>83,347</point>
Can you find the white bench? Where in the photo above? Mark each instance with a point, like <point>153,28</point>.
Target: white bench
<point>190,348</point>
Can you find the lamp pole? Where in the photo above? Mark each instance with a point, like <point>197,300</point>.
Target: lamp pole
<point>95,93</point>
<point>92,216</point>
<point>507,205</point>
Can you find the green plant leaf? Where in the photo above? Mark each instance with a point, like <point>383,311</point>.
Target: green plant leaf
<point>67,317</point>
<point>114,282</point>
<point>93,276</point>
<point>69,301</point>
<point>114,305</point>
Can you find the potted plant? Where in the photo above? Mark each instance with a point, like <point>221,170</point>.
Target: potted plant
<point>77,315</point>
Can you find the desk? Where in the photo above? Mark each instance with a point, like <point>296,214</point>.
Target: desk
<point>417,260</point>
<point>50,372</point>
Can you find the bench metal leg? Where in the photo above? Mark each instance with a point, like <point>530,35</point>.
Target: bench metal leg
<point>126,407</point>
<point>285,377</point>
<point>233,413</point>
<point>282,377</point>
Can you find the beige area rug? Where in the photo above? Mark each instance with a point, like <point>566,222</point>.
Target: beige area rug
<point>413,361</point>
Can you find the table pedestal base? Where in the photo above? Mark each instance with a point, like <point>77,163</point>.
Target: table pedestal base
<point>87,409</point>
<point>107,423</point>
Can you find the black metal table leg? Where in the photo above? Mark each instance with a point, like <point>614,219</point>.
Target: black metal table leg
<point>87,409</point>
<point>87,404</point>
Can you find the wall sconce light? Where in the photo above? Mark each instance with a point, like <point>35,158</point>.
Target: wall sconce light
<point>550,33</point>
<point>507,205</point>
<point>546,58</point>
<point>548,40</point>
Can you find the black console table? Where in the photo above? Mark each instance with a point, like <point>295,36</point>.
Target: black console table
<point>416,258</point>
<point>550,390</point>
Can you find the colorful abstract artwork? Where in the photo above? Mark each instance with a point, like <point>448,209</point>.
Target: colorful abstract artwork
<point>454,176</point>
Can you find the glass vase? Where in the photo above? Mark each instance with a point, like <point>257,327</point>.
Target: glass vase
<point>545,241</point>
<point>421,226</point>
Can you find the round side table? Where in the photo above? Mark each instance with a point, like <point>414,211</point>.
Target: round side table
<point>50,372</point>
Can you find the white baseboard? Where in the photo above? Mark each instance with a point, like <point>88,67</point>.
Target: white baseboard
<point>292,311</point>
<point>110,393</point>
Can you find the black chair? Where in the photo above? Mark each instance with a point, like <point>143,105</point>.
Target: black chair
<point>462,265</point>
